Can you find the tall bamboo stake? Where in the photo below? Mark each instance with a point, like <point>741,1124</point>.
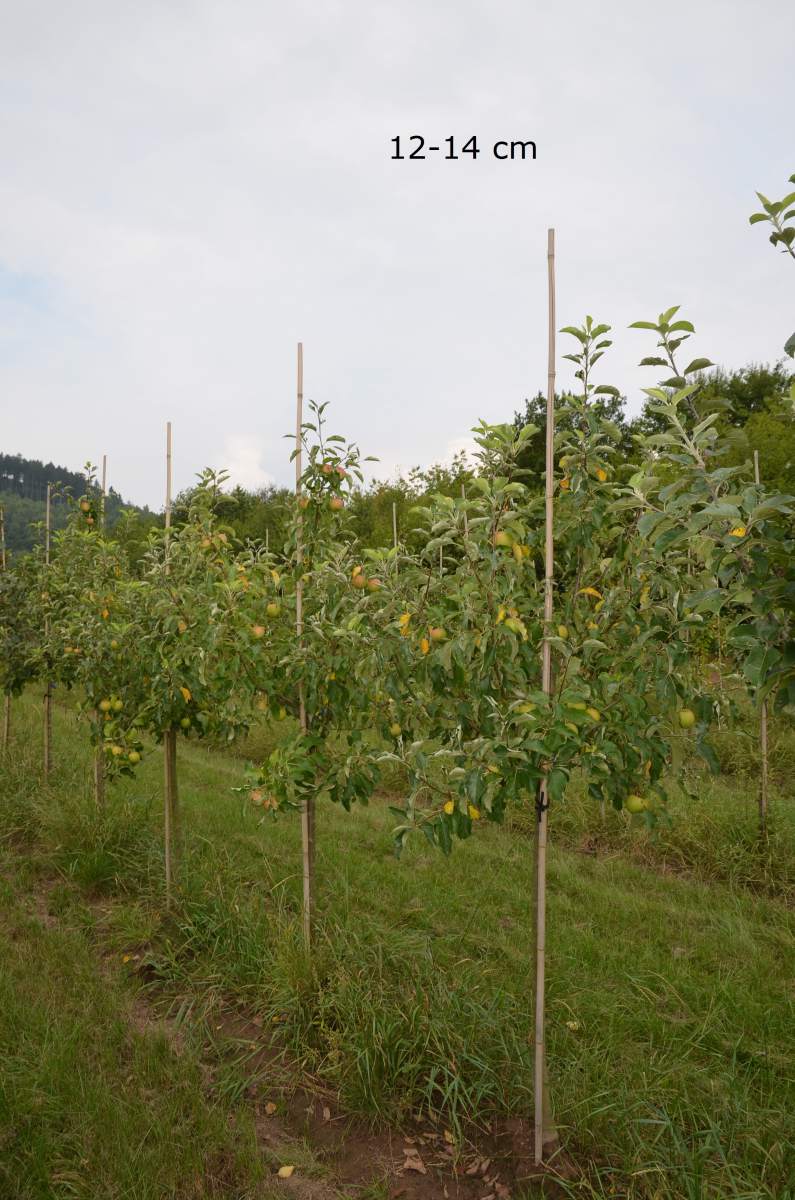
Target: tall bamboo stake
<point>544,1130</point>
<point>466,518</point>
<point>171,799</point>
<point>48,688</point>
<point>394,525</point>
<point>763,782</point>
<point>104,491</point>
<point>7,698</point>
<point>308,810</point>
<point>99,758</point>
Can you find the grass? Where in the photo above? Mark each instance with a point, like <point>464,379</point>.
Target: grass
<point>671,997</point>
<point>88,1105</point>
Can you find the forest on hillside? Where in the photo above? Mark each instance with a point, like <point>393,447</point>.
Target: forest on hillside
<point>755,413</point>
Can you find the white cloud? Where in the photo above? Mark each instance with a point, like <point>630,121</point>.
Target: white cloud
<point>242,458</point>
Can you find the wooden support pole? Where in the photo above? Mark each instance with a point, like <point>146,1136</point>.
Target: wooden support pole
<point>48,687</point>
<point>763,780</point>
<point>308,810</point>
<point>99,755</point>
<point>545,1135</point>
<point>104,491</point>
<point>7,697</point>
<point>171,795</point>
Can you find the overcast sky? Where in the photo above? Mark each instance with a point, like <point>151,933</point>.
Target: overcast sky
<point>188,188</point>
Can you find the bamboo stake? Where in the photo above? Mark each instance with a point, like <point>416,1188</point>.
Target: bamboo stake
<point>544,1129</point>
<point>394,525</point>
<point>308,810</point>
<point>170,811</point>
<point>99,758</point>
<point>763,782</point>
<point>104,491</point>
<point>48,688</point>
<point>466,518</point>
<point>7,698</point>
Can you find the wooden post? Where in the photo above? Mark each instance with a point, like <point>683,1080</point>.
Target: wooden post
<point>7,697</point>
<point>104,491</point>
<point>308,810</point>
<point>466,518</point>
<point>763,782</point>
<point>394,525</point>
<point>545,1134</point>
<point>171,798</point>
<point>99,755</point>
<point>48,687</point>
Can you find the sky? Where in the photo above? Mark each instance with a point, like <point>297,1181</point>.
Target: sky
<point>190,188</point>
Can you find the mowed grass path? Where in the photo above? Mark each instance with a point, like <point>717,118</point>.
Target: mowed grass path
<point>671,1031</point>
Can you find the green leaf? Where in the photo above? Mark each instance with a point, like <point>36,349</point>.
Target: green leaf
<point>683,326</point>
<point>755,218</point>
<point>653,361</point>
<point>607,389</point>
<point>643,325</point>
<point>698,364</point>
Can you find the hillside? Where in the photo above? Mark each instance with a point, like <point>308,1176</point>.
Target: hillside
<point>23,494</point>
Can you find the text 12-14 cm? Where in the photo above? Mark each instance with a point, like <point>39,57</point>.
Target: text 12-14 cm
<point>417,147</point>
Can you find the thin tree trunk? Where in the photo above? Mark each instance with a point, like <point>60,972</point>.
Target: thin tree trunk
<point>545,1134</point>
<point>48,730</point>
<point>99,778</point>
<point>170,810</point>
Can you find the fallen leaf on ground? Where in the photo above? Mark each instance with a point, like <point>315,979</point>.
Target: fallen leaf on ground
<point>285,1172</point>
<point>270,1108</point>
<point>414,1162</point>
<point>326,1113</point>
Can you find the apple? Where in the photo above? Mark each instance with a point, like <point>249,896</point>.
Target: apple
<point>341,472</point>
<point>118,705</point>
<point>134,757</point>
<point>258,630</point>
<point>437,634</point>
<point>687,718</point>
<point>116,751</point>
<point>104,706</point>
<point>359,581</point>
<point>373,584</point>
<point>185,723</point>
<point>563,631</point>
<point>85,506</point>
<point>273,609</point>
<point>395,729</point>
<point>303,502</point>
<point>503,538</point>
<point>635,804</point>
<point>336,503</point>
<point>327,468</point>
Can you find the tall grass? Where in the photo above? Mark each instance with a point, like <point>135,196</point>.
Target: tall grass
<point>671,1041</point>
